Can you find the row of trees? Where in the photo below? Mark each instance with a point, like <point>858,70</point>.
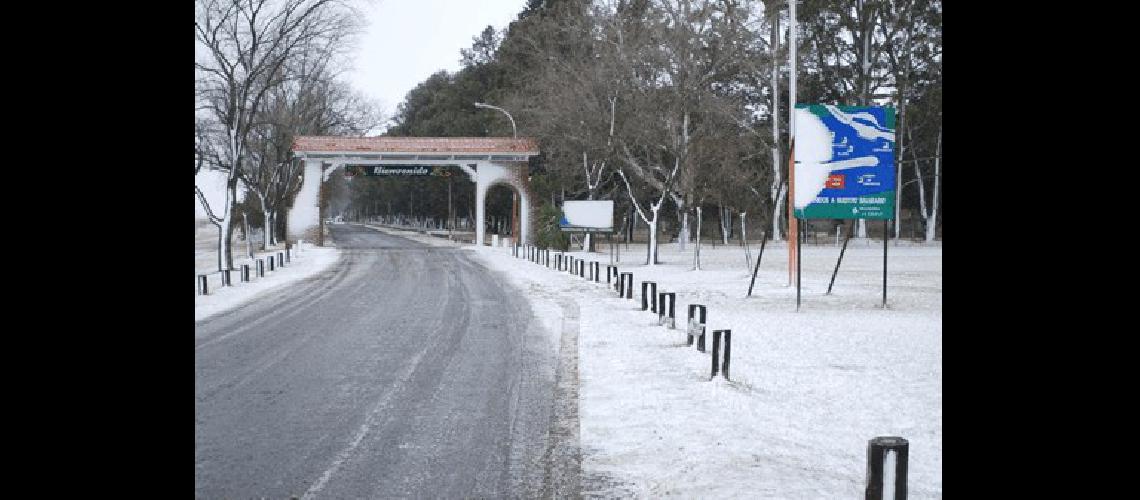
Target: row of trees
<point>266,71</point>
<point>676,104</point>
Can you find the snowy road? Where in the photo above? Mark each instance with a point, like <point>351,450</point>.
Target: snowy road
<point>402,371</point>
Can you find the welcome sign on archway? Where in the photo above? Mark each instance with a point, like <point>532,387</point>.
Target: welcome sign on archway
<point>486,160</point>
<point>397,170</point>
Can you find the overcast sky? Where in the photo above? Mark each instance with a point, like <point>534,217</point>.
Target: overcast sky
<point>408,40</point>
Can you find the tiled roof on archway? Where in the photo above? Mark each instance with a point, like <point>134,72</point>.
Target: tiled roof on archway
<point>416,144</point>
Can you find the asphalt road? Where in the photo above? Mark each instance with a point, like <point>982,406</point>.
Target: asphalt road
<point>403,371</point>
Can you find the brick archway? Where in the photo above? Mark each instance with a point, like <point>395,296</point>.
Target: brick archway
<point>486,160</point>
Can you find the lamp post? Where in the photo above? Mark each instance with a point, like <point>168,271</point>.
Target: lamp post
<point>514,132</point>
<point>514,197</point>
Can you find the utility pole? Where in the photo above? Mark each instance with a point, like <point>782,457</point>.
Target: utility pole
<point>793,225</point>
<point>775,46</point>
<point>450,217</point>
<point>865,28</point>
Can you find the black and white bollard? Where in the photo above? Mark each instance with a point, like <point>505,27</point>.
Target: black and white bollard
<point>595,270</point>
<point>716,341</point>
<point>260,268</point>
<point>281,259</point>
<point>203,288</point>
<point>611,272</point>
<point>558,262</point>
<point>287,257</point>
<point>626,288</point>
<point>671,318</point>
<point>570,264</point>
<point>582,268</point>
<point>648,299</point>
<point>245,273</point>
<point>271,267</point>
<point>226,277</point>
<point>886,468</point>
<point>697,323</point>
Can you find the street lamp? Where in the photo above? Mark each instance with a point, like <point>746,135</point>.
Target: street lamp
<point>515,196</point>
<point>514,132</point>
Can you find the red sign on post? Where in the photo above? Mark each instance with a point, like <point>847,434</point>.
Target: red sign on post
<point>836,181</point>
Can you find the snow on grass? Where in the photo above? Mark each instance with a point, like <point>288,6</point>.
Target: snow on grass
<point>308,262</point>
<point>808,389</point>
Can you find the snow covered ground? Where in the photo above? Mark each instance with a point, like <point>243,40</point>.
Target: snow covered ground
<point>308,262</point>
<point>808,389</point>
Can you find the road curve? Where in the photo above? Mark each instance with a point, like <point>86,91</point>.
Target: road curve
<point>403,371</point>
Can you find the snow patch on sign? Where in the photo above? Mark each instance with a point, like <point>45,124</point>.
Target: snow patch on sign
<point>813,157</point>
<point>865,124</point>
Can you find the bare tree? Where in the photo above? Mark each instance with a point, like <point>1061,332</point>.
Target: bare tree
<point>242,48</point>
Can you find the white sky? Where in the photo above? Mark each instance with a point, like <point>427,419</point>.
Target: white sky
<point>408,40</point>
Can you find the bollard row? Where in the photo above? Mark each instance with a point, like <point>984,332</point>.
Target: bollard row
<point>696,324</point>
<point>662,303</point>
<point>226,275</point>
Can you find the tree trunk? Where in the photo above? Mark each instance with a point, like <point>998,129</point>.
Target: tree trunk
<point>631,227</point>
<point>272,225</point>
<point>932,221</point>
<point>744,241</point>
<point>725,224</point>
<point>651,249</point>
<point>265,242</point>
<point>248,237</point>
<point>281,217</point>
<point>778,211</point>
<point>921,191</point>
<point>683,236</point>
<point>225,259</point>
<point>697,243</point>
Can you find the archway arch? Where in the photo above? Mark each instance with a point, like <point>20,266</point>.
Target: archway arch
<point>486,160</point>
<point>514,177</point>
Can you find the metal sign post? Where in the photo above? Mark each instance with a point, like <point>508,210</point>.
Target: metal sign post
<point>841,251</point>
<point>845,163</point>
<point>763,240</point>
<point>886,228</point>
<point>799,253</point>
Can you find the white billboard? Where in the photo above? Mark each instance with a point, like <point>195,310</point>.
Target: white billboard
<point>588,216</point>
